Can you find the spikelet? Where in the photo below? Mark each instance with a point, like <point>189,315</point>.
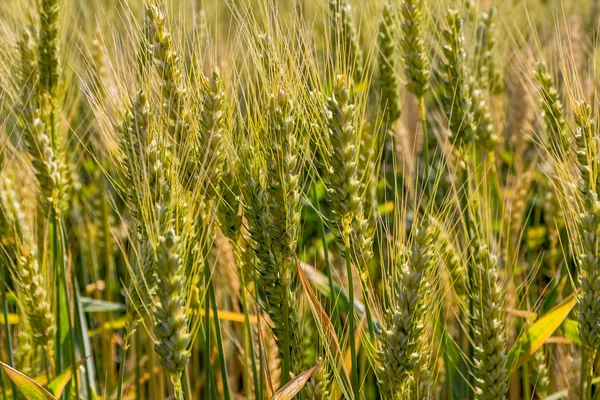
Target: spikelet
<point>17,243</point>
<point>37,138</point>
<point>98,62</point>
<point>134,136</point>
<point>367,171</point>
<point>552,110</point>
<point>143,155</point>
<point>585,135</point>
<point>168,68</point>
<point>271,207</point>
<point>414,55</point>
<point>488,74</point>
<point>48,49</point>
<point>400,351</point>
<point>317,388</point>
<point>517,205</point>
<point>341,174</point>
<point>211,130</point>
<point>344,188</point>
<point>25,354</point>
<point>488,322</point>
<point>541,374</point>
<point>171,326</point>
<point>424,382</point>
<point>345,40</point>
<point>485,137</point>
<point>518,117</point>
<point>28,74</point>
<point>456,97</point>
<point>141,289</point>
<point>343,183</point>
<point>389,85</point>
<point>450,256</point>
<point>228,208</point>
<point>486,79</point>
<point>589,278</point>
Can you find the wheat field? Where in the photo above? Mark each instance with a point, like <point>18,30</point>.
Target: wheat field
<point>308,199</point>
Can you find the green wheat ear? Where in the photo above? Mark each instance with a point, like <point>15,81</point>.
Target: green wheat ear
<point>552,110</point>
<point>345,40</point>
<point>456,92</point>
<point>488,322</point>
<point>400,350</point>
<point>170,326</point>
<point>586,137</point>
<point>272,209</point>
<point>37,136</point>
<point>485,137</point>
<point>18,246</point>
<point>48,47</point>
<point>341,175</point>
<point>212,126</point>
<point>389,84</point>
<point>489,75</point>
<point>168,67</point>
<point>414,54</point>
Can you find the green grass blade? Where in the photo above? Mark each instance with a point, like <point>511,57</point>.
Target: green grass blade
<point>27,386</point>
<point>539,331</point>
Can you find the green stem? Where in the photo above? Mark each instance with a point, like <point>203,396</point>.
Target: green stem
<point>285,370</point>
<point>583,373</point>
<point>138,370</point>
<point>590,374</point>
<point>442,329</point>
<point>261,355</point>
<point>187,388</point>
<point>123,359</point>
<point>224,374</point>
<point>207,362</point>
<point>63,252</point>
<point>56,271</point>
<point>176,382</point>
<point>255,373</point>
<point>352,328</point>
<point>526,382</point>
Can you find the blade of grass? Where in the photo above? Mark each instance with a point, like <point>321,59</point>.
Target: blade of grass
<point>538,332</point>
<point>27,386</point>
<point>7,332</point>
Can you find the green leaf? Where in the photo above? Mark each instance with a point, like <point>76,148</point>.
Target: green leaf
<point>570,330</point>
<point>535,336</point>
<point>92,305</point>
<point>27,386</point>
<point>456,383</point>
<point>553,294</point>
<point>85,344</point>
<point>58,384</point>
<point>63,344</point>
